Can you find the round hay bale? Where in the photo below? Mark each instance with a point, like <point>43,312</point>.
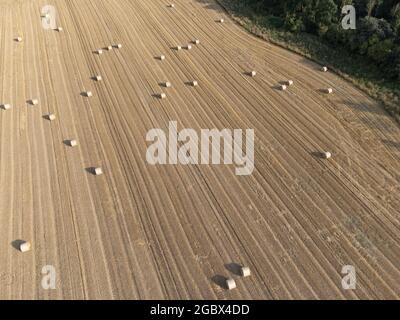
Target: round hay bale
<point>72,143</point>
<point>230,283</point>
<point>51,117</point>
<point>327,155</point>
<point>25,246</point>
<point>245,271</point>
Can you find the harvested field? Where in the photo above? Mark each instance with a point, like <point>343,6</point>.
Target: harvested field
<point>173,231</point>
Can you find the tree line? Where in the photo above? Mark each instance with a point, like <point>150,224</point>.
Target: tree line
<point>377,33</point>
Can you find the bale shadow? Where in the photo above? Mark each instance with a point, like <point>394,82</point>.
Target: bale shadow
<point>189,84</point>
<point>219,281</point>
<point>158,58</point>
<point>16,244</point>
<point>234,268</point>
<point>321,91</point>
<point>247,73</point>
<point>157,96</point>
<point>67,142</point>
<point>276,87</point>
<point>318,154</point>
<point>91,170</point>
